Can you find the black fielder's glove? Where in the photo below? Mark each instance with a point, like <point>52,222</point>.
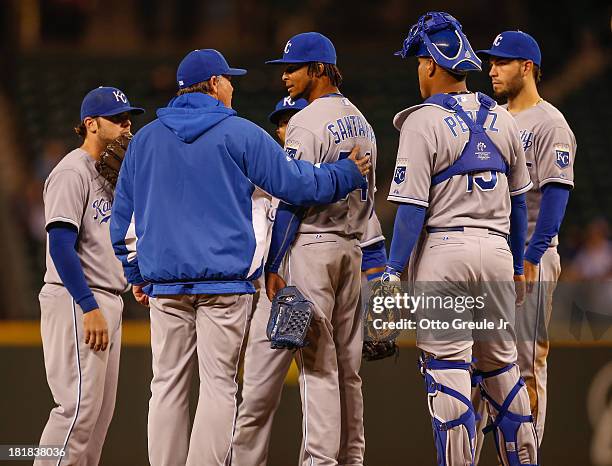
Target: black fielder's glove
<point>290,319</point>
<point>375,350</point>
<point>111,159</point>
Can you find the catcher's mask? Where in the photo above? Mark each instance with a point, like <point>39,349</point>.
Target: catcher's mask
<point>438,35</point>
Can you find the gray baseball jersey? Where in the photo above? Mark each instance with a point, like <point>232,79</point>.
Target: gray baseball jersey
<point>75,193</point>
<point>324,263</point>
<point>265,369</point>
<point>431,139</point>
<point>373,233</point>
<point>326,131</point>
<point>83,382</point>
<point>550,149</point>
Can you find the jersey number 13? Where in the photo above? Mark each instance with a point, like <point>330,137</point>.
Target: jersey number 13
<point>482,182</point>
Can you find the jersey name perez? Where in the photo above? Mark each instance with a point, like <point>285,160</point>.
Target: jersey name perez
<point>455,123</point>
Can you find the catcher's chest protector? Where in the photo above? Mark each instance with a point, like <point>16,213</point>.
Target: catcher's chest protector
<point>480,153</point>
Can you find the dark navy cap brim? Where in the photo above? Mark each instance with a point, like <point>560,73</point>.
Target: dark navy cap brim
<point>281,61</point>
<point>276,114</point>
<point>132,110</point>
<point>235,72</point>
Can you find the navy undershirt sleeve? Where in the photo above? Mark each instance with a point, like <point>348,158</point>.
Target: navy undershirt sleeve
<point>518,230</point>
<point>374,256</point>
<point>409,221</point>
<point>552,210</point>
<point>62,248</point>
<point>286,224</point>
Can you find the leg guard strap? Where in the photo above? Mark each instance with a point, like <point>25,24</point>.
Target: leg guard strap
<point>502,410</point>
<point>467,419</point>
<point>440,364</point>
<point>477,376</point>
<point>506,422</point>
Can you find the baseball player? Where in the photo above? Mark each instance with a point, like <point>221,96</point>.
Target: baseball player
<point>80,301</point>
<point>187,182</point>
<point>461,174</point>
<point>284,110</point>
<point>550,149</point>
<point>265,369</point>
<point>324,256</point>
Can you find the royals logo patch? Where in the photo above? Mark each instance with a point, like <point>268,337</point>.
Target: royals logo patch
<point>562,155</point>
<point>291,149</point>
<point>102,210</point>
<point>400,174</point>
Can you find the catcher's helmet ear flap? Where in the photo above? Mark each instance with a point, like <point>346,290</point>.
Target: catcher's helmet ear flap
<point>438,35</point>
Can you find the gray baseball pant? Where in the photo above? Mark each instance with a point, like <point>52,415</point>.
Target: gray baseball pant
<point>532,321</point>
<point>472,263</point>
<point>263,377</point>
<point>207,330</point>
<point>326,268</point>
<point>83,382</point>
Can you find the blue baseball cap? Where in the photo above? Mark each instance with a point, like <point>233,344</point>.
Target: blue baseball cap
<point>201,65</point>
<point>514,44</point>
<point>307,47</point>
<point>284,105</point>
<point>106,101</point>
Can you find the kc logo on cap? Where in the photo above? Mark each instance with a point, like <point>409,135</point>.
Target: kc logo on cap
<point>120,96</point>
<point>284,105</point>
<point>106,101</point>
<point>514,45</point>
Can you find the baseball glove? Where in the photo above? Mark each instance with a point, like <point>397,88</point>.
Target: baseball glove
<point>290,319</point>
<point>380,343</point>
<point>374,350</point>
<point>111,158</point>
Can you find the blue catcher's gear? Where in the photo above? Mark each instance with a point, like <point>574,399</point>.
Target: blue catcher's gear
<point>390,275</point>
<point>506,424</point>
<point>467,419</point>
<point>480,153</point>
<point>438,35</point>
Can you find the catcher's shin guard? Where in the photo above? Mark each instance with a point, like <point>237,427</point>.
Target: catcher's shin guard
<point>506,424</point>
<point>465,424</point>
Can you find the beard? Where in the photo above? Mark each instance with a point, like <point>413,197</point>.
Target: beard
<point>511,90</point>
<point>106,137</point>
<point>106,140</point>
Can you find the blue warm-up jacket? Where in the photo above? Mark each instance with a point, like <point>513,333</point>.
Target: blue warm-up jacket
<point>182,215</point>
